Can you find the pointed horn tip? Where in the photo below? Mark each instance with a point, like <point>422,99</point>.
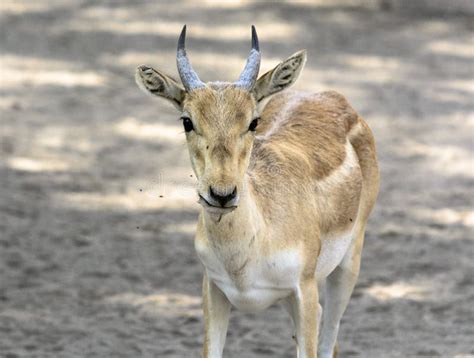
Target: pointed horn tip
<point>182,39</point>
<point>255,44</point>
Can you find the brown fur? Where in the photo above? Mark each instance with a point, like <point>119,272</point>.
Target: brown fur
<point>307,146</point>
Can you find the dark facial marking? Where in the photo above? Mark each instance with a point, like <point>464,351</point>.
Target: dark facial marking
<point>221,151</point>
<point>240,115</point>
<point>243,154</point>
<point>198,155</point>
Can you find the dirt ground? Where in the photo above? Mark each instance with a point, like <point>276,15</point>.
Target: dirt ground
<point>97,206</point>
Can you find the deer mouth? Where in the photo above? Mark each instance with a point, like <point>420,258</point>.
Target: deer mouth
<point>214,208</point>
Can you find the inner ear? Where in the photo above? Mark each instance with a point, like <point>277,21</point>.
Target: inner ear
<point>281,77</point>
<point>154,82</point>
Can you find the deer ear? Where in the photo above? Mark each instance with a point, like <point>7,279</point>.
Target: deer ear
<point>281,77</point>
<point>158,84</point>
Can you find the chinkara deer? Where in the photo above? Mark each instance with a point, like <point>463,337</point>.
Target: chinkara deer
<point>286,181</point>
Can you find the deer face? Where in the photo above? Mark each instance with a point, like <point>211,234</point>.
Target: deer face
<point>220,119</point>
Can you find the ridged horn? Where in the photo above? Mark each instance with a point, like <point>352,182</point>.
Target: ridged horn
<point>249,75</point>
<point>188,76</point>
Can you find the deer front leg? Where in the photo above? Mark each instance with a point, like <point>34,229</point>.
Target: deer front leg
<point>305,311</point>
<point>216,308</point>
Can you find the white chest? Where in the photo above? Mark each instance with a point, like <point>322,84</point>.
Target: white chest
<point>254,283</point>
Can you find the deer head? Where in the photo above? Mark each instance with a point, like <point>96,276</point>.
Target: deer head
<point>220,118</point>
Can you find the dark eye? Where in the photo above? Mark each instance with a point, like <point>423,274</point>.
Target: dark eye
<point>253,125</point>
<point>187,124</point>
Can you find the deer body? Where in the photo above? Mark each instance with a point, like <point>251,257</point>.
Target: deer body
<point>285,204</point>
<point>227,248</point>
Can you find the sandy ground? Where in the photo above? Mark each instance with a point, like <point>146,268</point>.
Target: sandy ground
<point>97,207</point>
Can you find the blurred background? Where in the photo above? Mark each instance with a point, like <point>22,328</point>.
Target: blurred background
<point>97,206</point>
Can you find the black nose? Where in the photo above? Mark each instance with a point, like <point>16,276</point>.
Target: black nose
<point>220,198</point>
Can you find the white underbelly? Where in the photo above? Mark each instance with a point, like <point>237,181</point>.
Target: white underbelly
<point>332,252</point>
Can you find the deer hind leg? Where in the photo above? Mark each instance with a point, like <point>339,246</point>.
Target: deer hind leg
<point>339,286</point>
